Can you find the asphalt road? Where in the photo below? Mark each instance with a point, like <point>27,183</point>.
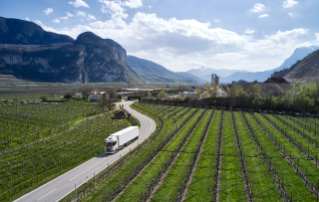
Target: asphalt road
<point>61,186</point>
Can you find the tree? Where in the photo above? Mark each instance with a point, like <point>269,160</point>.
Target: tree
<point>44,98</point>
<point>162,94</point>
<point>104,102</point>
<point>239,91</point>
<point>67,96</point>
<point>111,93</point>
<point>211,89</point>
<point>198,91</point>
<point>85,93</point>
<point>254,91</point>
<point>149,94</point>
<point>214,89</point>
<point>208,90</point>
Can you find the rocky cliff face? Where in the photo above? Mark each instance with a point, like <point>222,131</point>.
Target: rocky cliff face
<point>305,70</point>
<point>88,59</point>
<point>118,50</point>
<point>15,31</point>
<point>52,63</point>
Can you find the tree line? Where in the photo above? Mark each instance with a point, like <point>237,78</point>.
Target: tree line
<point>300,97</point>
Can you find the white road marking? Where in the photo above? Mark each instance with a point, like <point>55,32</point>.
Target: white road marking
<point>47,194</point>
<point>84,171</point>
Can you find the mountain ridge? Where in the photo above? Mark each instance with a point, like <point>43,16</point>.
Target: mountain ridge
<point>150,72</point>
<point>21,32</point>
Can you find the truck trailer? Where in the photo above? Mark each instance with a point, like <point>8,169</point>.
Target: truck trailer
<point>120,139</point>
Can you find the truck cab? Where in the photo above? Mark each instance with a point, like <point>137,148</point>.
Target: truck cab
<point>111,144</point>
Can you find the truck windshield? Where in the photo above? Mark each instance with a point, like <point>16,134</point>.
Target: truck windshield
<point>111,143</point>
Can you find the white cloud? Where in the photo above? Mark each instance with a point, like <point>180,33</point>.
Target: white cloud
<point>69,15</point>
<point>80,13</point>
<point>278,43</point>
<point>179,44</point>
<point>116,7</point>
<point>48,11</point>
<point>117,12</point>
<point>257,8</point>
<point>132,3</point>
<point>147,32</point>
<point>317,35</point>
<point>38,22</point>
<point>289,3</point>
<point>216,20</point>
<point>149,6</point>
<point>111,7</point>
<point>91,17</point>
<point>56,20</point>
<point>249,31</point>
<point>27,19</point>
<point>79,3</point>
<point>263,16</point>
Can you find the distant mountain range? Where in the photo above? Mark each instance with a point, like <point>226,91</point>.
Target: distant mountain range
<point>227,76</point>
<point>205,73</point>
<point>30,53</point>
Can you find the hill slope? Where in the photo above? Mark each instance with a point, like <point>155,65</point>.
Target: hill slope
<point>305,70</point>
<point>15,31</point>
<point>151,72</point>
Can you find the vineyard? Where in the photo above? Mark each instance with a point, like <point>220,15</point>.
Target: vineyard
<point>39,142</point>
<point>21,124</point>
<point>207,154</point>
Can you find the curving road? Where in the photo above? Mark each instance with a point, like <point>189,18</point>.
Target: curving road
<point>61,186</point>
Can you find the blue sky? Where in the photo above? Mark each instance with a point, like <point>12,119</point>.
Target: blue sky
<point>252,35</point>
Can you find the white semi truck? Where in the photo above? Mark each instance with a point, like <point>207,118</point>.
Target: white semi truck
<point>120,139</point>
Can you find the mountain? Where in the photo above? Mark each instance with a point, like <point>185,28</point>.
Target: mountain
<point>15,31</point>
<point>298,54</point>
<point>118,50</point>
<point>88,59</point>
<point>305,70</point>
<point>205,73</point>
<point>151,72</point>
